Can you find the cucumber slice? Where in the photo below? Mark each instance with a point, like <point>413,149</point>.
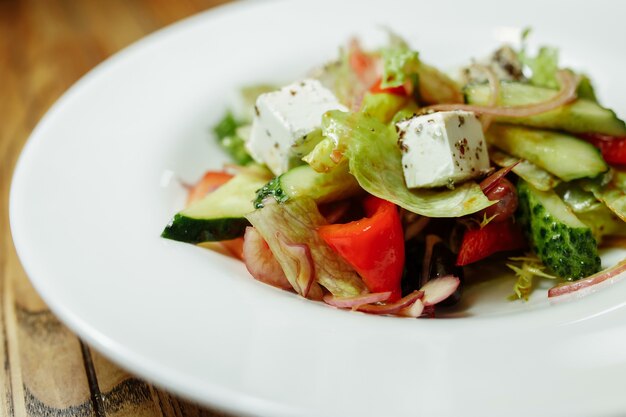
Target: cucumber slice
<point>323,187</point>
<point>538,177</point>
<point>218,216</point>
<point>562,242</point>
<point>563,155</point>
<point>581,116</point>
<point>382,106</point>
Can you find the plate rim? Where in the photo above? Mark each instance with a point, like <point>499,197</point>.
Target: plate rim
<point>225,399</point>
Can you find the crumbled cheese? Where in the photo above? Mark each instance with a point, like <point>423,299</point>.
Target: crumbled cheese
<point>442,149</point>
<point>287,122</point>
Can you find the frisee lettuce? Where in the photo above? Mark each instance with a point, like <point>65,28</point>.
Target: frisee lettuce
<point>529,267</point>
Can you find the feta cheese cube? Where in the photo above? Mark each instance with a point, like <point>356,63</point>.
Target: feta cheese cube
<point>442,149</point>
<point>287,122</point>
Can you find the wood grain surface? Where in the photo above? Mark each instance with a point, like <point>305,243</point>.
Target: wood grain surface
<point>45,46</point>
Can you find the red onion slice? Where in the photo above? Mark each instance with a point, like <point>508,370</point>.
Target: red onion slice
<point>587,282</point>
<point>415,310</point>
<point>305,266</point>
<point>438,289</point>
<point>567,93</point>
<point>260,261</point>
<point>355,302</point>
<point>494,86</point>
<point>429,312</point>
<point>491,181</point>
<point>392,308</point>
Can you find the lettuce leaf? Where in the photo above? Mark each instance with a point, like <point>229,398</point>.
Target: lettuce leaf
<point>227,133</point>
<point>376,162</point>
<point>612,193</point>
<point>591,211</point>
<point>543,66</point>
<point>529,267</point>
<point>297,221</point>
<point>400,64</point>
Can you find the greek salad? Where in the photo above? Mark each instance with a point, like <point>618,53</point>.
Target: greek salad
<point>376,180</point>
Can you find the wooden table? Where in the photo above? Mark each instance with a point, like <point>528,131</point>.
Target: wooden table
<point>45,46</point>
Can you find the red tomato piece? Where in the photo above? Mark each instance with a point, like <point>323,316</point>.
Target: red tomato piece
<point>211,181</point>
<point>613,148</point>
<point>494,237</point>
<point>398,91</point>
<point>364,65</point>
<point>234,247</point>
<point>374,246</point>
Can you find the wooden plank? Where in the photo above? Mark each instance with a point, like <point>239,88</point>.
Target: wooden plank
<point>45,46</point>
<point>124,395</point>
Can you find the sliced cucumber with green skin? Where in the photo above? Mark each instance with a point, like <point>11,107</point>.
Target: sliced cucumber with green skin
<point>585,89</point>
<point>563,243</point>
<point>580,116</point>
<point>563,155</point>
<point>323,187</point>
<point>538,177</point>
<point>218,216</point>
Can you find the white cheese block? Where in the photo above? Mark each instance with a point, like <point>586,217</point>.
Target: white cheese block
<point>287,122</point>
<point>442,149</point>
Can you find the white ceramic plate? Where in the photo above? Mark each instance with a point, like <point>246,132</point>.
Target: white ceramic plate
<point>94,188</point>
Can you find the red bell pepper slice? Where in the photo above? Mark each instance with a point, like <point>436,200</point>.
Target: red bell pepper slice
<point>374,246</point>
<point>211,181</point>
<point>494,237</point>
<point>613,148</point>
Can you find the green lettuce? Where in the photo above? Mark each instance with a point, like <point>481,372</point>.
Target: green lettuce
<point>611,193</point>
<point>376,162</point>
<point>543,66</point>
<point>400,64</point>
<point>528,268</point>
<point>296,221</point>
<point>228,134</point>
<point>589,210</point>
<point>431,85</point>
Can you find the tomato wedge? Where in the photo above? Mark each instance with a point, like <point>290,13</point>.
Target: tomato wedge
<point>397,91</point>
<point>613,148</point>
<point>209,182</point>
<point>363,64</point>
<point>494,237</point>
<point>374,246</point>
